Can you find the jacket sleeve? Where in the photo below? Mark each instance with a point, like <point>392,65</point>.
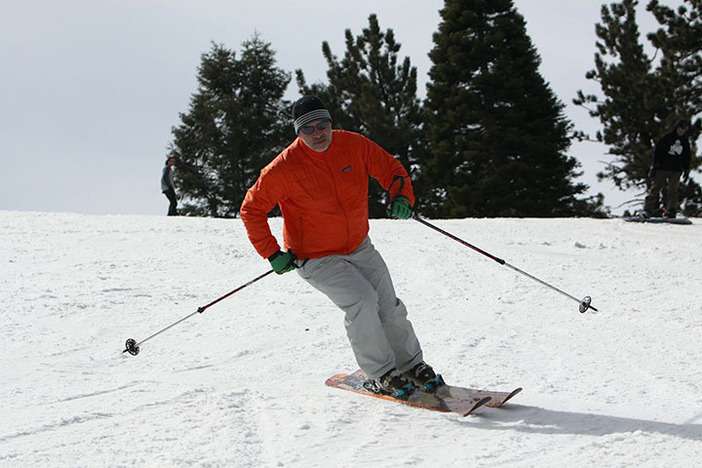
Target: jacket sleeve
<point>388,171</point>
<point>260,199</point>
<point>167,178</point>
<point>658,152</point>
<point>687,155</point>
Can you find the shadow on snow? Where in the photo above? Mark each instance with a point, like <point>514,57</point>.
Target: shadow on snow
<point>536,420</point>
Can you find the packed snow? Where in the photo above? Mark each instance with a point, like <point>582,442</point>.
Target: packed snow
<point>242,384</point>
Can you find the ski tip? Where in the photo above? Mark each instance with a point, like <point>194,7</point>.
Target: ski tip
<point>514,393</point>
<point>504,398</point>
<point>335,380</point>
<point>479,403</point>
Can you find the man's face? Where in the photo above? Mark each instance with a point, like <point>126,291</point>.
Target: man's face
<point>681,131</point>
<point>317,135</point>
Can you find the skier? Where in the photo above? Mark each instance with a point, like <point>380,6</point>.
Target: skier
<point>320,182</point>
<point>167,186</point>
<point>671,158</point>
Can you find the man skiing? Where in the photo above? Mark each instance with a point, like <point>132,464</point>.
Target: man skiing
<point>320,182</point>
<point>671,158</point>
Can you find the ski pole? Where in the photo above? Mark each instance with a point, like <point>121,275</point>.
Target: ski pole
<point>585,303</point>
<point>132,347</point>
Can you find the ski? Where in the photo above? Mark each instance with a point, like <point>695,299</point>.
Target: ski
<point>497,399</point>
<point>446,398</point>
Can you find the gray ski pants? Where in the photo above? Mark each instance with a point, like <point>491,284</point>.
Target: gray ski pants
<point>381,336</point>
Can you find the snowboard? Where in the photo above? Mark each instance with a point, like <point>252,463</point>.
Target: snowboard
<point>658,220</point>
<point>446,398</point>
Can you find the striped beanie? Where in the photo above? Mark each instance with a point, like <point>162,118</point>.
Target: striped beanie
<point>308,109</point>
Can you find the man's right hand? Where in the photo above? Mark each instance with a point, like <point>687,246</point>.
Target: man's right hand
<point>282,262</point>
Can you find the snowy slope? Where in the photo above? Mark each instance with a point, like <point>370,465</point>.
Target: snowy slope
<point>242,385</point>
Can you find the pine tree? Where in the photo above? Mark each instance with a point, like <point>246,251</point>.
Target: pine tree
<point>643,100</point>
<point>680,42</point>
<point>372,92</point>
<point>634,96</point>
<point>497,132</point>
<point>235,125</point>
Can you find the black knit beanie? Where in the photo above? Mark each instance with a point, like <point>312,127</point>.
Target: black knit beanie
<point>308,109</point>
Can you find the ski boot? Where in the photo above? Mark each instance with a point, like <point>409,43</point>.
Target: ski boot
<point>393,384</point>
<point>424,377</point>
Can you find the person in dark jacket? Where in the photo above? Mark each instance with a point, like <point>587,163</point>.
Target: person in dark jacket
<point>167,187</point>
<point>671,158</point>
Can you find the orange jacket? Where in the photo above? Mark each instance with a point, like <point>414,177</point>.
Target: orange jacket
<point>323,196</point>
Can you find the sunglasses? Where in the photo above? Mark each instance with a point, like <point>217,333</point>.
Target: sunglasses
<point>309,129</point>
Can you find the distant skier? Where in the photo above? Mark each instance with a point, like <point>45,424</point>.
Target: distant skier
<point>320,182</point>
<point>671,158</point>
<point>167,186</point>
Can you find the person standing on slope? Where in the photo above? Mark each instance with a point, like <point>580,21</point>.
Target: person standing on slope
<point>167,187</point>
<point>671,158</point>
<point>320,182</point>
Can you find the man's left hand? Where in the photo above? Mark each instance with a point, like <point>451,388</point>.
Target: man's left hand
<point>400,208</point>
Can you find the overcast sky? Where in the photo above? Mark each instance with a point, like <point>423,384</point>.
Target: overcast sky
<point>90,89</point>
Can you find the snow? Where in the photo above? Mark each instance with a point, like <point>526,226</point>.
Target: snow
<point>242,384</point>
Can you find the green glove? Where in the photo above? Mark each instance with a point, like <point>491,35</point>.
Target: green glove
<point>282,262</point>
<point>400,208</point>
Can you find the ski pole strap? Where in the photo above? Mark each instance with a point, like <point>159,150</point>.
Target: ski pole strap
<point>295,261</point>
<point>401,179</point>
